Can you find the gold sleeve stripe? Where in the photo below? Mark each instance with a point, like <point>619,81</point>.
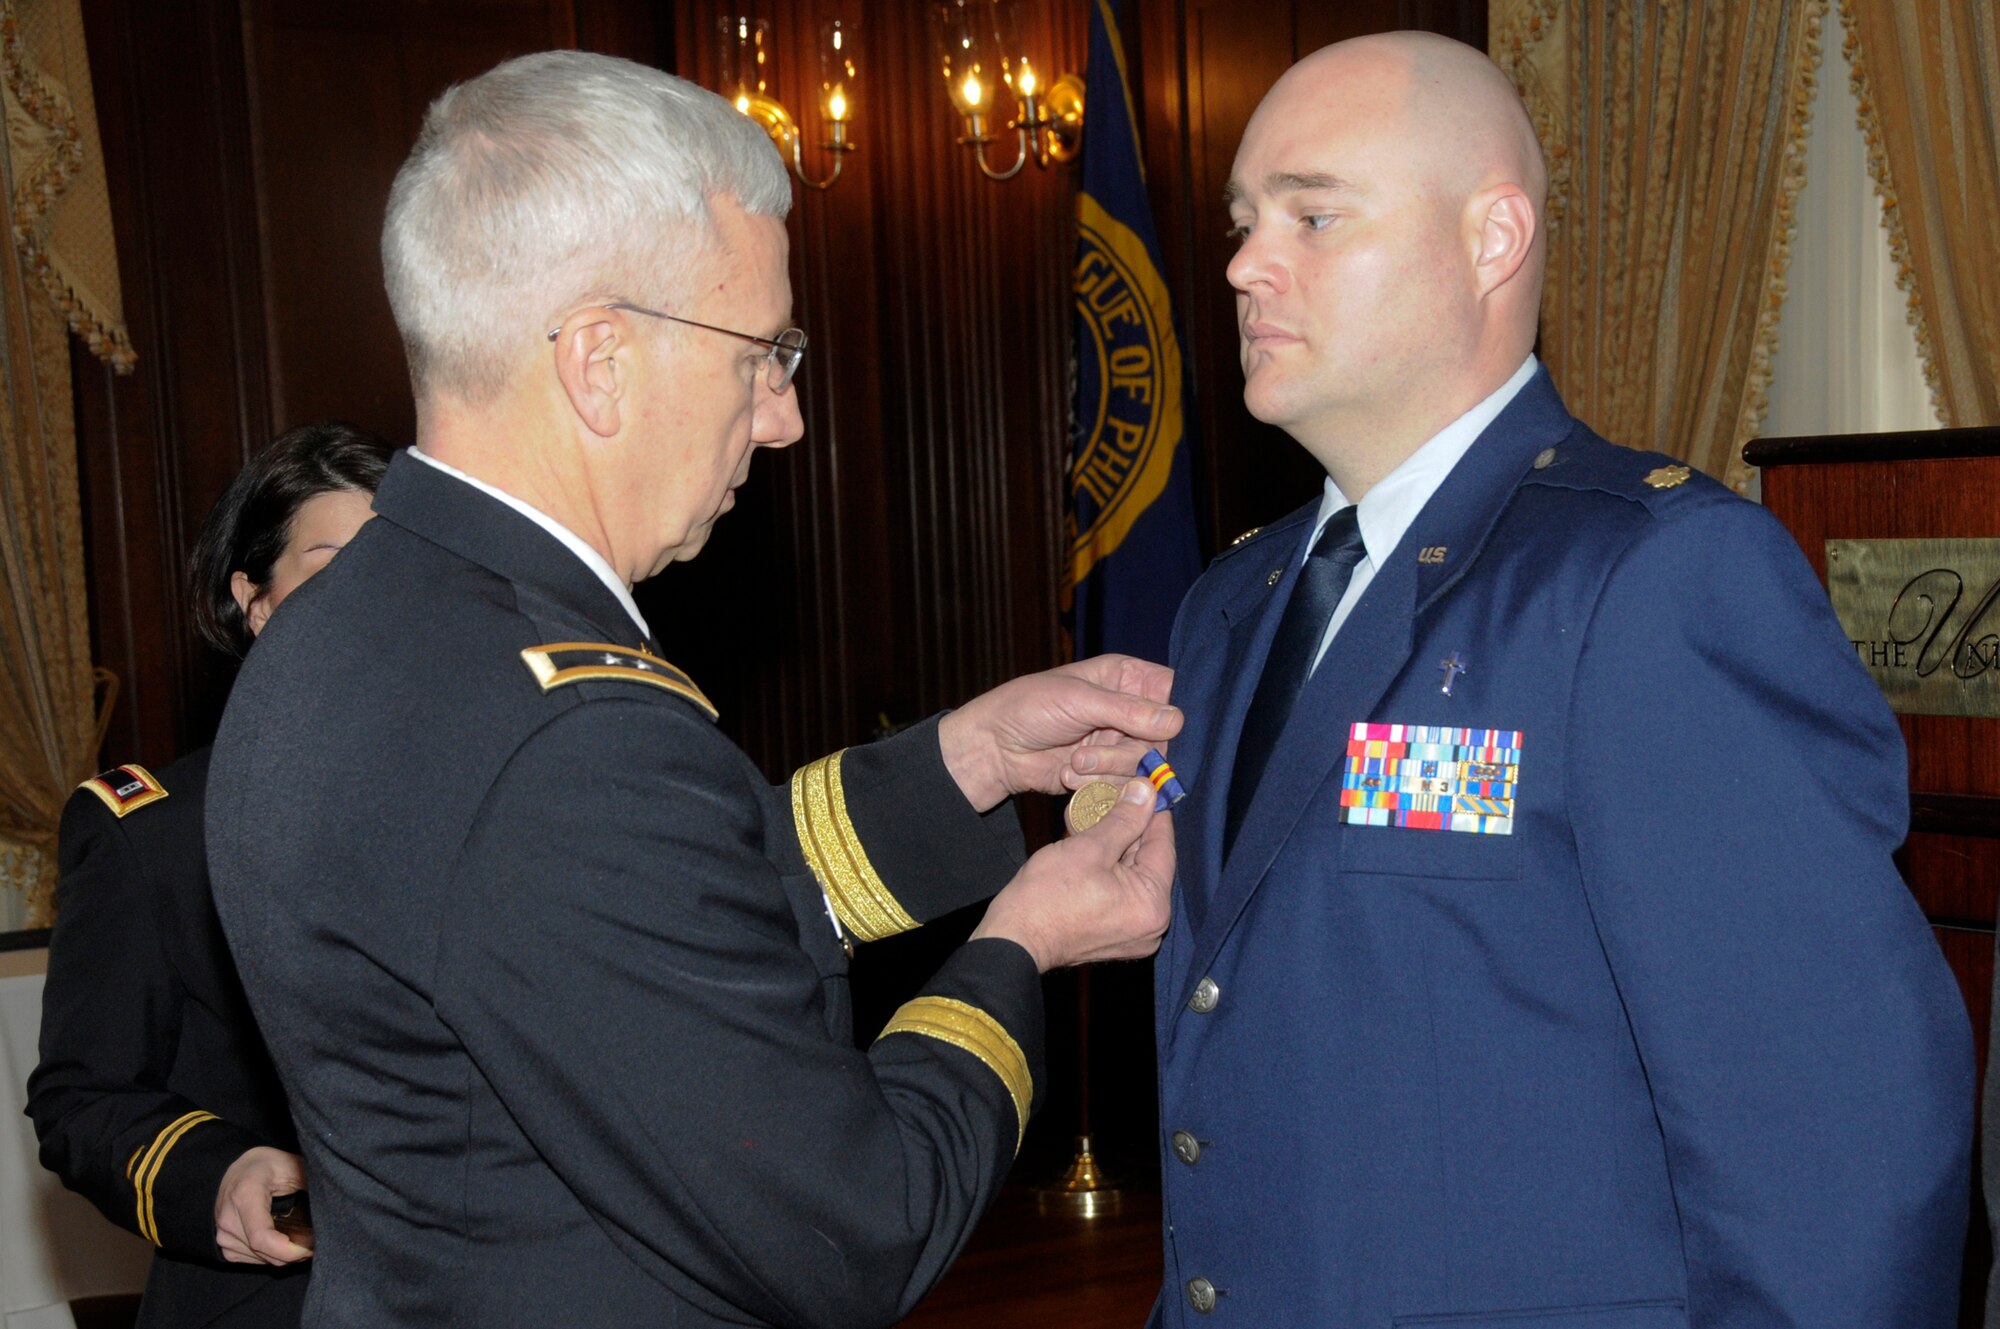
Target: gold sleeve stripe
<point>834,853</point>
<point>149,1167</point>
<point>972,1030</point>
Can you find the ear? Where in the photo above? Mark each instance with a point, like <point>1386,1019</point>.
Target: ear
<point>251,600</point>
<point>1506,228</point>
<point>589,363</point>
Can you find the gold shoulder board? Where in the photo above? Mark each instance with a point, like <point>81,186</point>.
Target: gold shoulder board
<point>125,789</point>
<point>563,662</point>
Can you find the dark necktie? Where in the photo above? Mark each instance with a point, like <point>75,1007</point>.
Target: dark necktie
<point>1322,581</point>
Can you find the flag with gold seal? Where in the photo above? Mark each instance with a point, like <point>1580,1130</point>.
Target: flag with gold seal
<point>1131,527</point>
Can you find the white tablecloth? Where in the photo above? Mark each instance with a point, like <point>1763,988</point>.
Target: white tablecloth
<point>54,1247</point>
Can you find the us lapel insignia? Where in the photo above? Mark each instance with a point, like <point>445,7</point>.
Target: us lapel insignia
<point>1431,778</point>
<point>1666,477</point>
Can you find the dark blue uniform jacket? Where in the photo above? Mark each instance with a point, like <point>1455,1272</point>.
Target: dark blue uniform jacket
<point>1670,1047</point>
<point>547,970</point>
<point>153,1079</point>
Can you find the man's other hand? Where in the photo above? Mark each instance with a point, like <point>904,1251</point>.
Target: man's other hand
<point>243,1227</point>
<point>1055,730</point>
<point>1103,894</point>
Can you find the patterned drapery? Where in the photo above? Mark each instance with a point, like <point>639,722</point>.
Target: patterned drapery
<point>1676,139</point>
<point>61,276</point>
<point>1927,75</point>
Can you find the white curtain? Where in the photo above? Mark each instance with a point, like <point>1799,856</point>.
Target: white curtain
<point>1846,361</point>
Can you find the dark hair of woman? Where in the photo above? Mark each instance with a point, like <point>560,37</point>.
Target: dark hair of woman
<point>249,525</point>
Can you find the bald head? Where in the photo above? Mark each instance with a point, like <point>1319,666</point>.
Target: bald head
<point>1457,118</point>
<point>1388,193</point>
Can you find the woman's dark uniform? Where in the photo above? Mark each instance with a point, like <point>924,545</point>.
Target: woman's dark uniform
<point>153,1078</point>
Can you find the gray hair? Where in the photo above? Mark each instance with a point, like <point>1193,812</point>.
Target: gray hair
<point>550,181</point>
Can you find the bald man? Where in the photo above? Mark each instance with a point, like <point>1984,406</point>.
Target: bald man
<point>1537,960</point>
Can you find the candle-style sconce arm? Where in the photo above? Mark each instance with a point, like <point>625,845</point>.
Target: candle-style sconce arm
<point>1049,128</point>
<point>976,138</point>
<point>776,121</point>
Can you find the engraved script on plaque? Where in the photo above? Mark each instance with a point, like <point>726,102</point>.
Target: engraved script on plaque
<point>1924,617</point>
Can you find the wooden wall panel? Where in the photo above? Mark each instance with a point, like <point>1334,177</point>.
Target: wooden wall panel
<point>338,90</point>
<point>249,148</point>
<point>157,446</point>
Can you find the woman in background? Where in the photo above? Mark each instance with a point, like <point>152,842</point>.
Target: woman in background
<point>155,1097</point>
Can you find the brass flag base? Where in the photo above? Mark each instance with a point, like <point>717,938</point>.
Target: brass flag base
<point>1083,1190</point>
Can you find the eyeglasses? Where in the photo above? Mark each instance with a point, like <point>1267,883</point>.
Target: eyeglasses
<point>782,353</point>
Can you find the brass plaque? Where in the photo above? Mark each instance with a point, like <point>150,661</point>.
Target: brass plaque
<point>1924,617</point>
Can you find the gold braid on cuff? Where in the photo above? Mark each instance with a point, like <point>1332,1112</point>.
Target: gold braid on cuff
<point>972,1030</point>
<point>148,1168</point>
<point>833,851</point>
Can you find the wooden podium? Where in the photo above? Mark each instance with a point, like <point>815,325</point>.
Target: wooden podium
<point>1933,640</point>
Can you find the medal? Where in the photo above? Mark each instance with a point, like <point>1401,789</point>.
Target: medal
<point>1088,805</point>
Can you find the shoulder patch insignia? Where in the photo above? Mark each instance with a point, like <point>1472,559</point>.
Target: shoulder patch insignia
<point>125,789</point>
<point>564,662</point>
<point>1666,477</point>
<point>1245,536</point>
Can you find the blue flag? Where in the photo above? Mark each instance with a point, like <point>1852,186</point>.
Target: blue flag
<point>1131,528</point>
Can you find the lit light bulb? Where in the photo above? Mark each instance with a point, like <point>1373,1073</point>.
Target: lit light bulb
<point>1026,83</point>
<point>836,107</point>
<point>742,104</point>
<point>973,92</point>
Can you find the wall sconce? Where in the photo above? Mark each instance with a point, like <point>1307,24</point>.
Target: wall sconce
<point>748,73</point>
<point>978,49</point>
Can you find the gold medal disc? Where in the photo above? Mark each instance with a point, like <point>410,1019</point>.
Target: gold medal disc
<point>1088,805</point>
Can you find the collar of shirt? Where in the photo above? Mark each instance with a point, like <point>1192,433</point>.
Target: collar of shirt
<point>1387,510</point>
<point>570,539</point>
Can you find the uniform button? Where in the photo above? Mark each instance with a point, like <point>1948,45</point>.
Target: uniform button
<point>1206,994</point>
<point>1545,458</point>
<point>1187,1148</point>
<point>1201,1295</point>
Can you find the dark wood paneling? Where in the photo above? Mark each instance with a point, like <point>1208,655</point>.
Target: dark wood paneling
<point>338,92</point>
<point>156,447</point>
<point>235,178</point>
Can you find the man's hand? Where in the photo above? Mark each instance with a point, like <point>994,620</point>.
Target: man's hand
<point>1103,894</point>
<point>243,1227</point>
<point>1053,730</point>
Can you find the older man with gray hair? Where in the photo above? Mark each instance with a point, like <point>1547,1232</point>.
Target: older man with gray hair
<point>557,983</point>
